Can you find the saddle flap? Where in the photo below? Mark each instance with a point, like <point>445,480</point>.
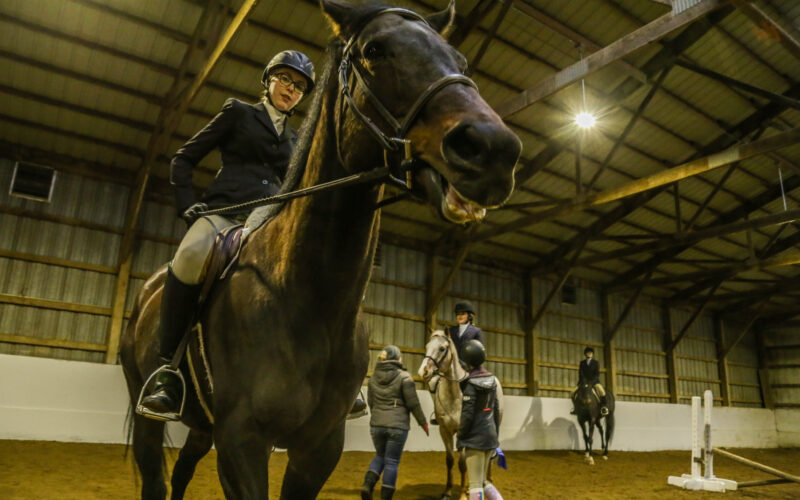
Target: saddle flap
<point>225,253</point>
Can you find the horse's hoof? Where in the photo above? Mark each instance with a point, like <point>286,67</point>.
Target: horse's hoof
<point>605,457</point>
<point>590,460</point>
<point>445,496</point>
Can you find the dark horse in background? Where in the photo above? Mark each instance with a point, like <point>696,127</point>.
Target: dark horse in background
<point>587,409</point>
<point>285,347</point>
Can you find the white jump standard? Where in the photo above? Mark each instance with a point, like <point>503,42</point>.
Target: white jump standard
<point>705,481</point>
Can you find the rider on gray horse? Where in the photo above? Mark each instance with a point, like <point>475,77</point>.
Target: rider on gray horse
<point>463,332</point>
<point>255,142</point>
<point>589,373</point>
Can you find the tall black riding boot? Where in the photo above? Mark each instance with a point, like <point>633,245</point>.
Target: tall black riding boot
<point>369,484</point>
<point>386,493</point>
<point>178,311</point>
<point>603,407</point>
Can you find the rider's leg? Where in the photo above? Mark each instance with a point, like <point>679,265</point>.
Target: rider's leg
<point>572,398</point>
<point>179,305</point>
<point>477,465</point>
<point>601,393</point>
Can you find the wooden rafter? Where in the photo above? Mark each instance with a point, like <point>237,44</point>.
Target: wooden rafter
<point>761,18</point>
<point>602,58</point>
<point>696,314</point>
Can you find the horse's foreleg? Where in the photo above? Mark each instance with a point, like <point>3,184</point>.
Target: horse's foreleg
<point>449,455</point>
<point>148,451</point>
<point>242,458</point>
<point>603,440</point>
<point>310,466</point>
<point>197,445</point>
<point>588,430</point>
<point>462,467</point>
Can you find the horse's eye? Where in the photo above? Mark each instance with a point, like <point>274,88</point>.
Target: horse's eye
<point>441,348</point>
<point>374,51</point>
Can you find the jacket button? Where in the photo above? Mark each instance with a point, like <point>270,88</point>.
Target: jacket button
<point>265,182</point>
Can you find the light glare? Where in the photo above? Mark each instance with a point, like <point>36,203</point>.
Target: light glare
<point>585,120</point>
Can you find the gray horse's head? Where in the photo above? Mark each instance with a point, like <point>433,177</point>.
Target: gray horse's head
<point>465,153</point>
<point>439,353</point>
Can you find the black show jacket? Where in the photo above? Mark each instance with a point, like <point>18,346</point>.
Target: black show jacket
<point>254,157</point>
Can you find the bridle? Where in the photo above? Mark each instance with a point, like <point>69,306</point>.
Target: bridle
<point>437,362</point>
<point>391,172</point>
<point>392,141</point>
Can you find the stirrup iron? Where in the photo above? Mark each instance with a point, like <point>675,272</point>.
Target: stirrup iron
<point>166,416</point>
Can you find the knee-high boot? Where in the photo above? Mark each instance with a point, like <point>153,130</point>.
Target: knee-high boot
<point>178,311</point>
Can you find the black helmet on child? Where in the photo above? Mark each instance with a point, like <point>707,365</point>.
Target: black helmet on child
<point>588,350</point>
<point>464,307</point>
<point>473,353</point>
<point>294,60</point>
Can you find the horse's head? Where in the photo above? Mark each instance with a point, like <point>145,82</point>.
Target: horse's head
<point>586,395</point>
<point>439,353</point>
<point>409,83</point>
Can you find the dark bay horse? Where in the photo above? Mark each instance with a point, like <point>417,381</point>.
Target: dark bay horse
<point>587,409</point>
<point>287,353</point>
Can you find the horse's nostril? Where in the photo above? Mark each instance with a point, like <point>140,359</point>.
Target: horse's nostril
<point>465,144</point>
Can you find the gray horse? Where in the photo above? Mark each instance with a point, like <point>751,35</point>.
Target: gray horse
<point>441,359</point>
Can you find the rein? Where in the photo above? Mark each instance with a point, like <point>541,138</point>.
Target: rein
<point>398,175</point>
<point>438,368</point>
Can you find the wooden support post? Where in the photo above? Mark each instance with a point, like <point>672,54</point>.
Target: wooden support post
<point>763,371</point>
<point>608,343</point>
<point>431,271</point>
<point>753,317</point>
<point>531,339</point>
<point>722,361</point>
<point>672,372</point>
<point>175,106</point>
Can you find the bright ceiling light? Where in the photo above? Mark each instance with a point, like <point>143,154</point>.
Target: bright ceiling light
<point>585,120</point>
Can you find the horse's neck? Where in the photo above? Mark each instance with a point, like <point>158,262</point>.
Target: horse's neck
<point>323,243</point>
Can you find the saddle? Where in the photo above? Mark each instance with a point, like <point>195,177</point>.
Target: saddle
<point>224,255</point>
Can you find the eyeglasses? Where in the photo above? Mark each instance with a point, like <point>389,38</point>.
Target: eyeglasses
<point>298,87</point>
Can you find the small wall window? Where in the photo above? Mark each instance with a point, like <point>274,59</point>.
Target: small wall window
<point>569,293</point>
<point>32,181</point>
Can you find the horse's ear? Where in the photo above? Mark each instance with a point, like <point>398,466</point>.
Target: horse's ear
<point>444,21</point>
<point>338,14</point>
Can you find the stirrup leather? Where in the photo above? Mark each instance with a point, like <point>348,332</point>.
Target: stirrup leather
<point>166,416</point>
<point>359,414</point>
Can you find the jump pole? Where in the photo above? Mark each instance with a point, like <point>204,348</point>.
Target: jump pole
<point>707,481</point>
<point>784,477</point>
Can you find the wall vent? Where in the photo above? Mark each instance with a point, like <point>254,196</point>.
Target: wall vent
<point>569,294</point>
<point>32,181</point>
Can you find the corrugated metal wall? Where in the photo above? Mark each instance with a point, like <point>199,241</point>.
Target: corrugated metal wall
<point>563,332</point>
<point>742,361</point>
<point>782,346</point>
<point>639,351</point>
<point>58,268</point>
<point>56,273</point>
<point>696,366</point>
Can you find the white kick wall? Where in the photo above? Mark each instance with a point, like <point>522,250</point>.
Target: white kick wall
<point>59,400</point>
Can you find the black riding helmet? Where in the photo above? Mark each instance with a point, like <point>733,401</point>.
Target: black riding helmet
<point>464,307</point>
<point>294,60</point>
<point>588,350</point>
<point>473,353</point>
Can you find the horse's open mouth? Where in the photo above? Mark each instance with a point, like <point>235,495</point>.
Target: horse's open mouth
<point>441,194</point>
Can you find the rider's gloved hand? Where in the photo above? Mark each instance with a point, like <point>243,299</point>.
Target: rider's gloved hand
<point>192,213</point>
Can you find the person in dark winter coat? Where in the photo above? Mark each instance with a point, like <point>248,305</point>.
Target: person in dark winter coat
<point>255,143</point>
<point>392,396</point>
<point>481,414</point>
<point>589,373</point>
